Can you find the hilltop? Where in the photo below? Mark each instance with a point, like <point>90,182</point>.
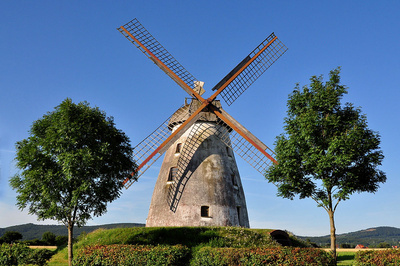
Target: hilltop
<point>366,237</point>
<point>35,231</point>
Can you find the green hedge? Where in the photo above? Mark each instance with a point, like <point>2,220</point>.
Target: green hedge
<point>261,256</point>
<point>105,255</point>
<point>378,257</point>
<point>20,254</point>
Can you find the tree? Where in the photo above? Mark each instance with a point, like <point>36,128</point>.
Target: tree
<point>49,238</point>
<point>327,152</point>
<point>11,236</point>
<point>72,164</point>
<point>383,245</point>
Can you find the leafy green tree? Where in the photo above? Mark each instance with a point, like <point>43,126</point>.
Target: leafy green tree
<point>11,236</point>
<point>383,245</point>
<point>72,164</point>
<point>327,151</point>
<point>61,240</point>
<point>49,238</point>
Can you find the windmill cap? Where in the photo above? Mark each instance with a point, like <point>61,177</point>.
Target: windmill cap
<point>185,111</point>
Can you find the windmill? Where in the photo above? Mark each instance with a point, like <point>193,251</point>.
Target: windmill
<point>199,183</point>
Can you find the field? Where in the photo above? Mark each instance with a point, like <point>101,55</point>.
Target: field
<point>346,256</point>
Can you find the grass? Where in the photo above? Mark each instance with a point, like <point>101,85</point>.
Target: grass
<point>188,236</point>
<point>346,258</point>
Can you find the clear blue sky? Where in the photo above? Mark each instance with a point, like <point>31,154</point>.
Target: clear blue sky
<point>51,50</point>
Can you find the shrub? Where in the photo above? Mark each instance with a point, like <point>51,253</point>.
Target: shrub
<point>39,256</point>
<point>34,242</point>
<point>13,254</point>
<point>20,254</point>
<point>378,257</point>
<point>131,255</point>
<point>261,256</point>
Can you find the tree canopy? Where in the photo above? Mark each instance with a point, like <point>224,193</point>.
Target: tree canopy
<point>72,164</point>
<point>327,152</point>
<point>11,236</point>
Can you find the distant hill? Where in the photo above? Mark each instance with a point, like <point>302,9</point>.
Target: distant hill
<point>35,231</point>
<point>367,237</point>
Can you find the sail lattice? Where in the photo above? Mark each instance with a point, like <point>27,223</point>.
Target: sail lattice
<point>147,146</point>
<point>146,43</point>
<point>255,69</point>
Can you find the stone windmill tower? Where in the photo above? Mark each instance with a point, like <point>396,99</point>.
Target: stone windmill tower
<point>199,182</point>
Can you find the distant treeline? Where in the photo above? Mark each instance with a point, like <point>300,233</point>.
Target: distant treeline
<point>35,231</point>
<point>372,237</point>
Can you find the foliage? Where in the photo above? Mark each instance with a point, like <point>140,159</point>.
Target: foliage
<point>13,254</point>
<point>369,237</point>
<point>11,236</point>
<point>132,255</point>
<point>49,238</point>
<point>327,152</point>
<point>383,245</point>
<point>325,144</point>
<point>261,256</point>
<point>378,257</point>
<point>346,245</point>
<point>33,242</point>
<point>72,164</point>
<point>20,254</point>
<point>61,240</point>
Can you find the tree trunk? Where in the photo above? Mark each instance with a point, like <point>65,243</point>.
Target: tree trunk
<point>70,244</point>
<point>333,233</point>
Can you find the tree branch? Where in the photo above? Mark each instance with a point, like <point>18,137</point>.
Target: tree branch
<point>319,203</point>
<point>337,203</point>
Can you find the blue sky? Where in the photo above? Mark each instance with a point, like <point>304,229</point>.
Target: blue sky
<point>51,50</point>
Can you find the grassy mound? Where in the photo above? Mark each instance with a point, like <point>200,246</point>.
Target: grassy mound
<point>194,238</point>
<point>191,237</point>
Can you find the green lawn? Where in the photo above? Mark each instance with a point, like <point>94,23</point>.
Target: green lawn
<point>346,257</point>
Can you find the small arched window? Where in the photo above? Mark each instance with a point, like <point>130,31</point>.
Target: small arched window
<point>173,171</point>
<point>178,148</point>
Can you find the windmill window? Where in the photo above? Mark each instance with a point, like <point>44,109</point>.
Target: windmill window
<point>238,214</point>
<point>233,177</point>
<point>205,211</point>
<point>228,151</point>
<point>173,171</point>
<point>178,148</point>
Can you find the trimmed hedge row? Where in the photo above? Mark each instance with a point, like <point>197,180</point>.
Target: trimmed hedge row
<point>261,256</point>
<point>20,254</point>
<point>105,255</point>
<point>378,257</point>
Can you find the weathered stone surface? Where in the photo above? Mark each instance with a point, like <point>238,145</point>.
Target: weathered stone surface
<point>208,177</point>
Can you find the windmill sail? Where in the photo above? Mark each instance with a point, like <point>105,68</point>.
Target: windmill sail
<point>253,66</point>
<point>150,146</point>
<point>145,42</point>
